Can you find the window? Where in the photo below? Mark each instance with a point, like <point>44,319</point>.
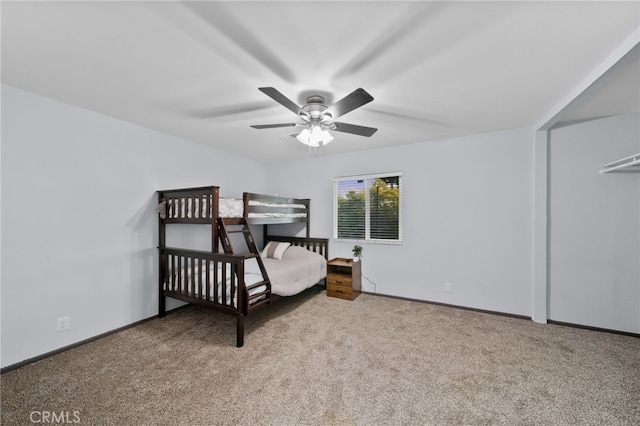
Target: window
<point>368,207</point>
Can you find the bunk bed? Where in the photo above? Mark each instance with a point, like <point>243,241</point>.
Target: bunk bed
<point>231,282</point>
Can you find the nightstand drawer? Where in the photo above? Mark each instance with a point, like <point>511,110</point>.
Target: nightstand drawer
<point>340,291</point>
<point>340,280</point>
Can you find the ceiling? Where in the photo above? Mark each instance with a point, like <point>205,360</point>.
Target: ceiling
<point>436,69</point>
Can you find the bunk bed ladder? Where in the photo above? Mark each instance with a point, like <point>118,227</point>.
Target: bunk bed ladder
<point>228,226</point>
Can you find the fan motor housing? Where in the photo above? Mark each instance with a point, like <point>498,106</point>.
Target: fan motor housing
<point>314,110</point>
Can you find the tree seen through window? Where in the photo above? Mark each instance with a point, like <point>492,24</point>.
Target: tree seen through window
<point>369,204</point>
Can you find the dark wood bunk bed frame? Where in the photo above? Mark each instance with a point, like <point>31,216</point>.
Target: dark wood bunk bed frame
<point>209,267</point>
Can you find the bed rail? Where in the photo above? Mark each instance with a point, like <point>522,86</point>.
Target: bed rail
<point>191,205</point>
<point>316,245</point>
<point>194,275</point>
<point>261,209</point>
<point>198,206</point>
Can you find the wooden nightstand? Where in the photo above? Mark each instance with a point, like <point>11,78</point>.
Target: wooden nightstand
<point>344,278</point>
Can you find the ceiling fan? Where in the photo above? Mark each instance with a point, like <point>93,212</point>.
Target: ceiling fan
<point>317,118</point>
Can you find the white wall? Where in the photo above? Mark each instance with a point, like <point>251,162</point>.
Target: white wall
<point>468,217</point>
<point>79,227</point>
<point>594,266</point>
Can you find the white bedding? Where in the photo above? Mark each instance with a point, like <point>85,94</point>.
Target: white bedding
<point>298,270</point>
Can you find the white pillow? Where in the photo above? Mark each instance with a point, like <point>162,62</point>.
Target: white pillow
<point>274,250</point>
<point>298,253</point>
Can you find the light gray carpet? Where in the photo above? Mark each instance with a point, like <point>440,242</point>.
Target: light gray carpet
<point>314,360</point>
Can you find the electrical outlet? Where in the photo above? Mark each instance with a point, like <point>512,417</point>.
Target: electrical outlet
<point>63,323</point>
<point>448,288</point>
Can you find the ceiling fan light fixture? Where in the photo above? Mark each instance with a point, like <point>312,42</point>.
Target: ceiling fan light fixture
<point>303,136</point>
<point>326,137</point>
<point>314,136</point>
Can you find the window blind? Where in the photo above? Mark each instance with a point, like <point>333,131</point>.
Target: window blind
<point>368,207</point>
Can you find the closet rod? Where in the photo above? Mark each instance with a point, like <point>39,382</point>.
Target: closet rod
<point>630,161</point>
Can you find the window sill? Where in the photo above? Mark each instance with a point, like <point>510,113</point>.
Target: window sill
<point>385,242</point>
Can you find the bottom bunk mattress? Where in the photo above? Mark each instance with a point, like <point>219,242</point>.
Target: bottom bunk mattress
<point>290,271</point>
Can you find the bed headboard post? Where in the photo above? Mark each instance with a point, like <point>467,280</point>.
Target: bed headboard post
<point>215,212</point>
<point>162,242</point>
<point>265,235</point>
<point>308,202</point>
<point>162,239</point>
<point>245,205</point>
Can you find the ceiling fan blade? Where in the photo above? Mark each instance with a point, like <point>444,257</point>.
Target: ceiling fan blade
<point>405,114</point>
<point>413,18</point>
<point>227,110</point>
<point>354,129</point>
<point>280,98</point>
<point>273,126</point>
<point>225,20</point>
<point>353,100</point>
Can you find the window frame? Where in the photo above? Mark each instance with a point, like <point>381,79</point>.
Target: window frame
<point>366,178</point>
